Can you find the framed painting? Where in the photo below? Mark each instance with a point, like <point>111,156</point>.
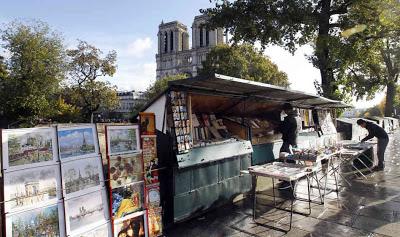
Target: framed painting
<point>28,147</point>
<point>127,200</point>
<point>122,139</point>
<point>101,231</point>
<point>125,169</point>
<point>30,188</point>
<point>154,216</point>
<point>147,123</point>
<point>152,198</point>
<point>45,221</point>
<point>82,176</point>
<point>77,142</point>
<point>86,212</point>
<point>134,225</point>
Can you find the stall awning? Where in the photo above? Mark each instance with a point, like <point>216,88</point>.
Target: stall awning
<point>230,86</point>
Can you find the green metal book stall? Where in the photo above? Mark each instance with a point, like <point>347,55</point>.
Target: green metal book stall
<point>209,128</point>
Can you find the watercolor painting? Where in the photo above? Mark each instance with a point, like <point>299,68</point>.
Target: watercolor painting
<point>31,187</point>
<point>85,211</point>
<point>125,169</point>
<point>122,139</point>
<point>127,199</point>
<point>75,142</point>
<point>28,146</point>
<point>81,174</point>
<point>37,222</point>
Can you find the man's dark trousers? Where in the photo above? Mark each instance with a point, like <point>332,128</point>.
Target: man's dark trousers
<point>382,144</point>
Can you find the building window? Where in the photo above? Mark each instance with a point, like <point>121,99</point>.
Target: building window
<point>172,40</point>
<point>207,37</point>
<point>183,39</point>
<point>165,41</point>
<point>201,36</point>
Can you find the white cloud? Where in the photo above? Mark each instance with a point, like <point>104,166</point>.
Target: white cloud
<point>139,47</point>
<point>135,77</point>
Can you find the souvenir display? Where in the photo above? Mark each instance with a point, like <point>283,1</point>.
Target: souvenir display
<point>82,176</point>
<point>77,142</point>
<point>134,226</point>
<point>153,196</point>
<point>125,169</point>
<point>147,124</point>
<point>155,222</point>
<point>30,147</point>
<point>122,139</point>
<point>181,122</point>
<point>86,212</point>
<point>127,199</point>
<point>31,187</point>
<point>45,221</point>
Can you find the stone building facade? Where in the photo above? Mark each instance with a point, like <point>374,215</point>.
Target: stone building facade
<point>174,53</point>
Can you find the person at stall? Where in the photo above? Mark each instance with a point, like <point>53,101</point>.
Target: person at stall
<point>375,130</point>
<point>288,128</point>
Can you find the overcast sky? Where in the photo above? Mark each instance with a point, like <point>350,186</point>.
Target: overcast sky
<point>130,27</point>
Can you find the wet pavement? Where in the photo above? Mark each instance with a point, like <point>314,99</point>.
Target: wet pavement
<point>366,208</point>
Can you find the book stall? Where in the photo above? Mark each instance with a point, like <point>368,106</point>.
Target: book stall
<point>216,126</point>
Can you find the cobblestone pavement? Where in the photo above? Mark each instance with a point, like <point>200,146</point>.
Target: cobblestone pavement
<point>366,208</point>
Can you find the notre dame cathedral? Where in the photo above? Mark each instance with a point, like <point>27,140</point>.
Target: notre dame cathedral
<point>174,54</point>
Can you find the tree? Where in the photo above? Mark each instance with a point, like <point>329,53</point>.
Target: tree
<point>86,66</point>
<point>370,50</point>
<point>36,68</point>
<point>155,89</point>
<point>287,23</point>
<point>243,61</point>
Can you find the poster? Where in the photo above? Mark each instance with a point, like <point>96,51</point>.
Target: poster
<point>150,161</point>
<point>125,169</point>
<point>47,221</point>
<point>155,222</point>
<point>127,199</point>
<point>77,142</point>
<point>147,124</point>
<point>86,212</point>
<point>153,196</point>
<point>30,147</point>
<point>122,139</point>
<point>131,226</point>
<point>31,187</point>
<point>82,176</point>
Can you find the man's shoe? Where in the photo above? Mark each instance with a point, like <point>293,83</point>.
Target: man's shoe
<point>378,168</point>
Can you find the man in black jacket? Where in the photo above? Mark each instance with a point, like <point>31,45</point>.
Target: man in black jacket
<point>288,128</point>
<point>383,139</point>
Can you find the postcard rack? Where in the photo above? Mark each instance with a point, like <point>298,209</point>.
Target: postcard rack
<point>53,175</point>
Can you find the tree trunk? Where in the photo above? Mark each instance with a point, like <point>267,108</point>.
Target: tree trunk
<point>322,50</point>
<point>390,95</point>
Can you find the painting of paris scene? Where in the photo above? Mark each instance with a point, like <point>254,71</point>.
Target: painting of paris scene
<point>37,222</point>
<point>30,187</point>
<point>81,174</point>
<point>29,146</point>
<point>76,142</point>
<point>85,211</point>
<point>122,139</point>
<point>125,169</point>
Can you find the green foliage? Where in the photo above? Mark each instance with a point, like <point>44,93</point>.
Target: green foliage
<point>36,67</point>
<point>86,66</point>
<point>156,89</point>
<point>243,61</point>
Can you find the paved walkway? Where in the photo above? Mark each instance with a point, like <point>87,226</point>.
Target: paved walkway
<point>366,208</point>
